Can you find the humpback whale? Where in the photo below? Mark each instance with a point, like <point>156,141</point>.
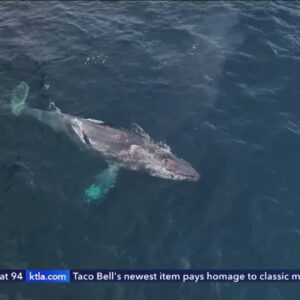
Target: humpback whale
<point>120,148</point>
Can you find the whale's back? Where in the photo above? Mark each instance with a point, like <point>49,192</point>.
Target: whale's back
<point>105,138</point>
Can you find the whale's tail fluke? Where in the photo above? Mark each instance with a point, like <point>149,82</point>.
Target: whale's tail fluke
<point>18,98</point>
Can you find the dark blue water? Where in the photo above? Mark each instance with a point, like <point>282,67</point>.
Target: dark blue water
<point>218,82</point>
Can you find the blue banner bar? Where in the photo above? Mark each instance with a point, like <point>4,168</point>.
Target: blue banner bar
<point>48,276</point>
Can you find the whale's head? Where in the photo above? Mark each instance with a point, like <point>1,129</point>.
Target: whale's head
<point>161,162</point>
<point>172,167</point>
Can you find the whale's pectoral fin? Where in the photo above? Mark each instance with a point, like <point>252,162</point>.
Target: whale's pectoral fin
<point>102,184</point>
<point>18,97</point>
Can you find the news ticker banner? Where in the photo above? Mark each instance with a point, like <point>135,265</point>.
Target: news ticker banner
<point>148,276</point>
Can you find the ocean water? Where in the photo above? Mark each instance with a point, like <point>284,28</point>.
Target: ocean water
<point>217,81</point>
